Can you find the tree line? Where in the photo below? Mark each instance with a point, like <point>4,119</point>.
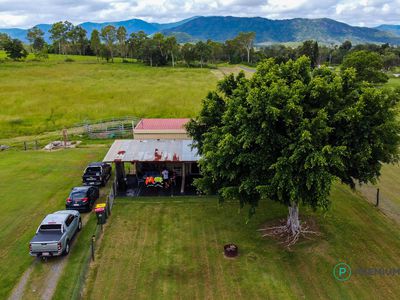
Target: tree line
<point>111,42</point>
<point>159,50</point>
<point>388,56</point>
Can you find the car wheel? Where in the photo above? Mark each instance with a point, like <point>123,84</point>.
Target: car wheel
<point>67,248</point>
<point>80,224</point>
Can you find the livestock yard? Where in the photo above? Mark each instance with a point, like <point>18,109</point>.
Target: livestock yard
<point>166,247</point>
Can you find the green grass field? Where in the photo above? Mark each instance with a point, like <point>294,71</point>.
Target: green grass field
<point>43,96</point>
<point>32,185</point>
<point>394,82</point>
<point>162,249</point>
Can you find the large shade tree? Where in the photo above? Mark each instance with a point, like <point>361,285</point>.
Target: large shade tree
<point>369,66</point>
<point>288,132</point>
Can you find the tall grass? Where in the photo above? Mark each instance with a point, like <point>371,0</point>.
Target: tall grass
<point>48,95</point>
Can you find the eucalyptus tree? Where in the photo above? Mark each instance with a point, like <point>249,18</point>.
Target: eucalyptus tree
<point>172,48</point>
<point>188,53</point>
<point>109,36</point>
<point>95,43</point>
<point>136,43</point>
<point>246,40</point>
<point>121,37</point>
<point>203,52</point>
<point>35,37</point>
<point>289,132</point>
<point>59,35</point>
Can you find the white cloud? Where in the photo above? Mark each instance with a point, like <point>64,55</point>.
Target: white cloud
<point>11,20</point>
<point>26,13</point>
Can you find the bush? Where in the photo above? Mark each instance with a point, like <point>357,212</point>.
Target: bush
<point>69,60</point>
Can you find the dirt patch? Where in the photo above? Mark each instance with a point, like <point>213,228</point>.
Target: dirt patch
<point>221,72</point>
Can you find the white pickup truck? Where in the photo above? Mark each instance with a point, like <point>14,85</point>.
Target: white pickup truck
<point>55,233</point>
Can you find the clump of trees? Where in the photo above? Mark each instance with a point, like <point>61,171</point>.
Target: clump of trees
<point>369,65</point>
<point>13,47</point>
<point>69,39</point>
<point>388,56</point>
<point>289,132</point>
<point>37,43</point>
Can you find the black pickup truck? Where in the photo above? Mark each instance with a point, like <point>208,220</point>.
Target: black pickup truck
<point>97,173</point>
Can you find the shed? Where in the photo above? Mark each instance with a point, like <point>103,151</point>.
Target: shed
<point>171,129</point>
<point>145,156</point>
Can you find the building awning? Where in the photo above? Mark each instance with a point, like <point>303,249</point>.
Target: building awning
<point>152,151</point>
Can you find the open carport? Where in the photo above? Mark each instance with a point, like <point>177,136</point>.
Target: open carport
<point>139,163</point>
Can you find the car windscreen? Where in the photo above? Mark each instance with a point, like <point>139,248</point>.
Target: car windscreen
<point>77,195</point>
<point>93,171</point>
<point>50,227</point>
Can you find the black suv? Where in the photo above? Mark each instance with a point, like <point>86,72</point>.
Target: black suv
<point>82,198</point>
<point>97,173</point>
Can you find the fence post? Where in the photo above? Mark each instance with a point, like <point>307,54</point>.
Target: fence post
<point>25,146</point>
<point>92,247</point>
<point>377,197</point>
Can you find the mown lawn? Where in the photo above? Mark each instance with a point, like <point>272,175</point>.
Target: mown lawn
<point>43,96</point>
<point>33,184</point>
<point>171,248</point>
<point>393,82</point>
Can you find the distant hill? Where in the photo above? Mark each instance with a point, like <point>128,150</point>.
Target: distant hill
<point>133,25</point>
<point>267,31</point>
<point>395,29</point>
<point>292,30</point>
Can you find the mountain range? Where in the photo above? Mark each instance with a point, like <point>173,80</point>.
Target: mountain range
<point>395,29</point>
<point>267,31</point>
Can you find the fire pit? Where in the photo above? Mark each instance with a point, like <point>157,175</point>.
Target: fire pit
<point>231,250</point>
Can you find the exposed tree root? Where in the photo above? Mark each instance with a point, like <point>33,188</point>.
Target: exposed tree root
<point>287,234</point>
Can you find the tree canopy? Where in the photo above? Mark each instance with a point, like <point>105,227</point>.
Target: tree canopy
<point>15,49</point>
<point>369,66</point>
<point>289,131</point>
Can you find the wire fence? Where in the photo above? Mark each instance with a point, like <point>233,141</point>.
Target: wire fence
<point>94,243</point>
<point>110,128</point>
<point>381,199</point>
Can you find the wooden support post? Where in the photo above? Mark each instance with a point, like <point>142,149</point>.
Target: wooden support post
<point>65,137</point>
<point>183,178</point>
<point>92,246</point>
<point>377,197</point>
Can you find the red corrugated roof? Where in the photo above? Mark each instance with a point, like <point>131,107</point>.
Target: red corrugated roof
<point>161,124</point>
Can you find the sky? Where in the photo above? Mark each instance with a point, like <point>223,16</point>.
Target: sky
<point>27,13</point>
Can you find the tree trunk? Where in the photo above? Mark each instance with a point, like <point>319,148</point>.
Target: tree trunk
<point>293,222</point>
<point>248,55</point>
<point>173,62</point>
<point>292,230</point>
